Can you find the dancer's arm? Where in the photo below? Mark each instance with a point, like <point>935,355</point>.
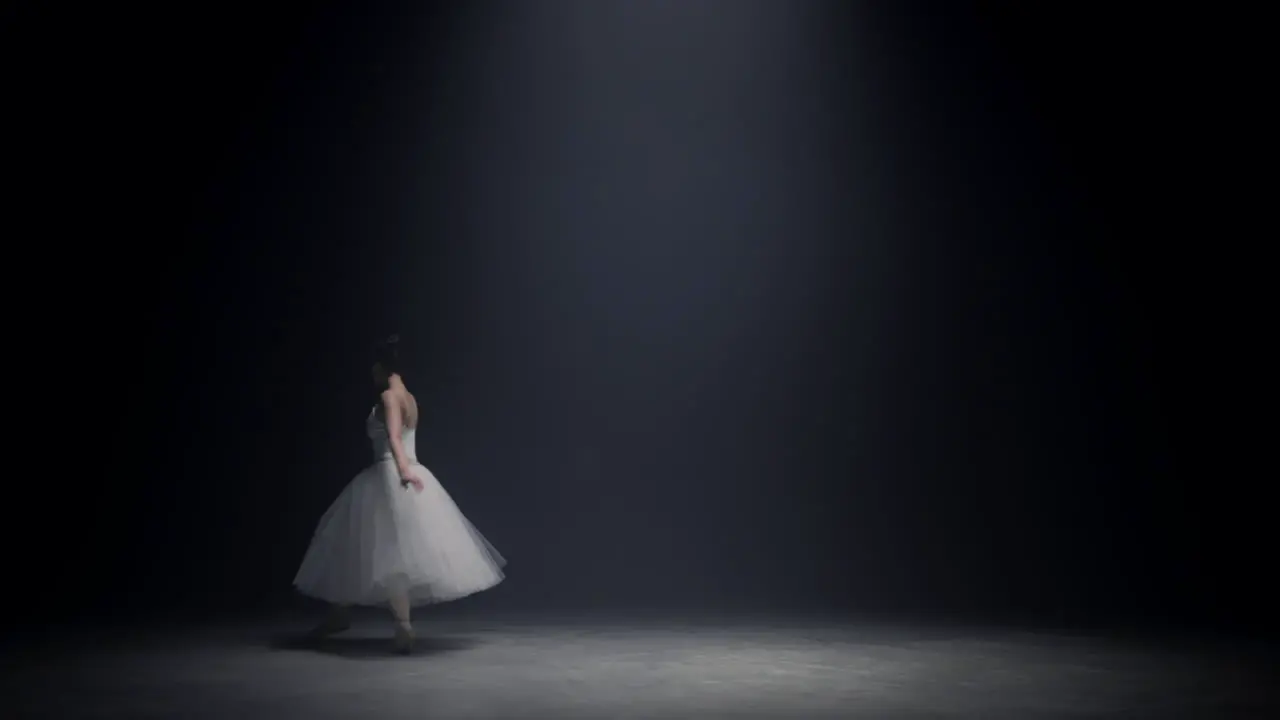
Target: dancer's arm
<point>391,407</point>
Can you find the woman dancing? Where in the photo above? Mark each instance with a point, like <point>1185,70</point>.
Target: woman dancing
<point>394,535</point>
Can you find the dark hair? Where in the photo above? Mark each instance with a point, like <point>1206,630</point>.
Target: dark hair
<point>387,354</point>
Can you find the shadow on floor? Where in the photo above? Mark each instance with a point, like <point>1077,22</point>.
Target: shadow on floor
<point>367,647</point>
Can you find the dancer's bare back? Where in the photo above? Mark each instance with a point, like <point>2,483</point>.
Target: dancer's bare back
<point>401,404</point>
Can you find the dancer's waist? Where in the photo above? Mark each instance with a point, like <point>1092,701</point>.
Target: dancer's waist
<point>388,457</point>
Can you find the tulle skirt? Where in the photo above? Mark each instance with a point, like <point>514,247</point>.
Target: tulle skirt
<point>378,538</point>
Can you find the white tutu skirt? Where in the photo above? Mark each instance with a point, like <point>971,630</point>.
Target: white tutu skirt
<point>378,538</point>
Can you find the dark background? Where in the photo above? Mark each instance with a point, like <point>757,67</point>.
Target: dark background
<point>912,307</point>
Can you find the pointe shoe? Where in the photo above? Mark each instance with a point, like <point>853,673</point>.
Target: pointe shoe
<point>404,639</point>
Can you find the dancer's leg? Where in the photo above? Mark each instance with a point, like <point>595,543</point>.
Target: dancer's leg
<point>400,607</point>
<point>399,602</point>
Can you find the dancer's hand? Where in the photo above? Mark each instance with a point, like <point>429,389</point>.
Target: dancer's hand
<point>407,479</point>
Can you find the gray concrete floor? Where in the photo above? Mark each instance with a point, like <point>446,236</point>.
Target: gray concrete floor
<point>500,669</point>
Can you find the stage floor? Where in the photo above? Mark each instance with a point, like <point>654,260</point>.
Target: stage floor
<point>567,669</point>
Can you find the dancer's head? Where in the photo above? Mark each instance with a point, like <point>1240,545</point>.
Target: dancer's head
<point>386,361</point>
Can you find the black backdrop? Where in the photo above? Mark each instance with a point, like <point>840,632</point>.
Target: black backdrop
<point>927,311</point>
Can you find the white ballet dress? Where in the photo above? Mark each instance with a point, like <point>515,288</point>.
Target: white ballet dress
<point>379,537</point>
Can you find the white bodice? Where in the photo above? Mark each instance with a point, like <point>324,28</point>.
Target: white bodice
<point>376,428</point>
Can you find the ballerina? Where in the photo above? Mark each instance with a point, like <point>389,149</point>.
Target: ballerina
<point>394,536</point>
